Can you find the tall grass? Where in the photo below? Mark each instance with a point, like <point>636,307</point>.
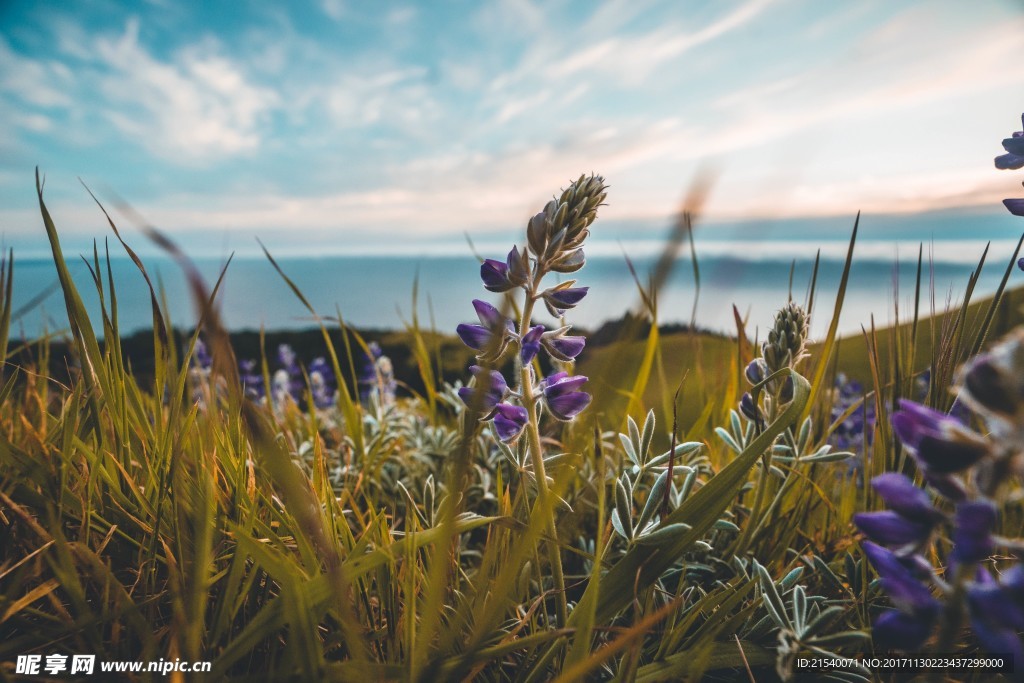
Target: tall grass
<point>282,542</point>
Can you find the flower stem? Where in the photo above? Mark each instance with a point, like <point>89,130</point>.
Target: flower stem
<point>529,398</point>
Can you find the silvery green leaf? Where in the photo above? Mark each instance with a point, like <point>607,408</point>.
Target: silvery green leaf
<point>654,499</point>
<point>624,507</point>
<point>735,423</point>
<point>647,435</point>
<point>777,472</point>
<point>781,449</point>
<point>703,546</point>
<point>725,525</point>
<point>685,448</point>
<point>822,568</point>
<point>842,638</point>
<point>691,477</point>
<point>791,578</point>
<point>727,438</point>
<point>805,435</point>
<point>627,446</point>
<point>822,621</point>
<point>557,459</point>
<point>665,534</point>
<point>772,599</point>
<point>828,457</point>
<point>619,527</point>
<point>634,436</point>
<point>799,609</point>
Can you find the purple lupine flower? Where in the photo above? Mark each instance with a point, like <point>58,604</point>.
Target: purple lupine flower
<point>973,524</point>
<point>987,382</point>
<point>939,443</point>
<point>495,275</point>
<point>509,421</point>
<point>491,335</point>
<point>1014,146</point>
<point>908,626</point>
<point>562,346</point>
<point>893,529</point>
<point>287,358</point>
<point>749,409</point>
<point>529,345</point>
<point>901,630</point>
<point>496,389</point>
<point>321,383</point>
<point>561,397</point>
<point>756,371</point>
<point>201,356</point>
<point>252,379</point>
<point>903,497</point>
<point>559,299</point>
<point>1014,206</point>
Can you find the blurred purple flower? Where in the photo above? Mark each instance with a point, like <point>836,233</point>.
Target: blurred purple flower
<point>938,442</point>
<point>321,383</point>
<point>252,379</point>
<point>201,356</point>
<point>561,395</point>
<point>893,529</point>
<point>491,335</point>
<point>903,497</point>
<point>907,627</point>
<point>1014,146</point>
<point>972,531</point>
<point>491,383</point>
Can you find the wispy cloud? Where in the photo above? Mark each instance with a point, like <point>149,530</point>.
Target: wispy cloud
<point>193,107</point>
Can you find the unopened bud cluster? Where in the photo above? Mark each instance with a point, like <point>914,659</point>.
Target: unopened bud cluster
<point>785,347</point>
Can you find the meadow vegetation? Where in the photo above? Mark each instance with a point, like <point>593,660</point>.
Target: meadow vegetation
<point>669,507</point>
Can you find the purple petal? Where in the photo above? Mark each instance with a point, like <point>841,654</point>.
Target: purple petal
<point>560,383</point>
<point>892,529</point>
<point>518,267</point>
<point>530,343</point>
<point>1015,206</point>
<point>755,370</point>
<point>565,348</point>
<point>985,384</point>
<point>972,531</point>
<point>900,495</point>
<point>1002,641</point>
<point>913,420</point>
<point>474,336</point>
<point>1006,162</point>
<point>951,453</point>
<point>495,276</point>
<point>568,405</point>
<point>898,581</point>
<point>1014,145</point>
<point>490,316</point>
<point>995,604</point>
<point>749,408</point>
<point>566,298</point>
<point>1020,263</point>
<point>901,631</point>
<point>509,421</point>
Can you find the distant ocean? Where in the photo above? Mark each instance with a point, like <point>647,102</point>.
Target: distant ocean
<point>375,291</point>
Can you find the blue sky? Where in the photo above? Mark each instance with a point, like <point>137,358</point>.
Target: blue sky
<point>343,123</point>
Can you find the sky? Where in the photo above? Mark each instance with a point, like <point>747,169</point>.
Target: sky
<point>335,124</point>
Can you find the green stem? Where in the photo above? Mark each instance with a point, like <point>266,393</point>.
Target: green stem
<point>530,399</point>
